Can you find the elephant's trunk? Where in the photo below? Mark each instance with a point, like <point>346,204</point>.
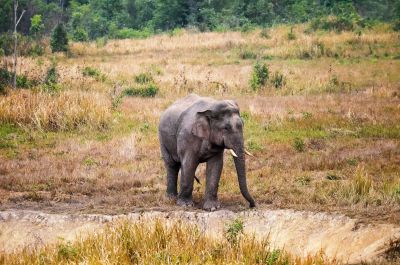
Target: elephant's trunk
<point>240,165</point>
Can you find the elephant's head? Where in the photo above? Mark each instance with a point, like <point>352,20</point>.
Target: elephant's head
<point>222,125</point>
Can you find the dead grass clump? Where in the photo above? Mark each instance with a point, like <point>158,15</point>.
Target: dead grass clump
<point>64,111</point>
<point>155,243</point>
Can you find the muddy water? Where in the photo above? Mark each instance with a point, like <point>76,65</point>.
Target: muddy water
<point>298,232</point>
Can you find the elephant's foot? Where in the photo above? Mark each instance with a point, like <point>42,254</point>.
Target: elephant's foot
<point>171,196</point>
<point>185,202</point>
<point>211,205</point>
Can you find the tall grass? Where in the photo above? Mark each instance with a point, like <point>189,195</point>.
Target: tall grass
<point>144,243</point>
<point>59,112</point>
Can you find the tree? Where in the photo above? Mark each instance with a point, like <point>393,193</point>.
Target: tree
<point>16,22</point>
<point>59,39</point>
<point>37,26</point>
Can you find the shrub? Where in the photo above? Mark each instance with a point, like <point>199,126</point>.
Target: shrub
<point>265,33</point>
<point>128,33</point>
<point>2,89</point>
<point>7,43</point>
<point>259,77</point>
<point>144,78</point>
<point>148,90</point>
<point>291,35</point>
<point>80,34</point>
<point>396,25</point>
<point>298,144</point>
<point>247,55</point>
<point>345,17</point>
<point>101,42</point>
<point>37,26</point>
<point>278,80</point>
<point>337,86</point>
<point>233,231</point>
<point>22,80</point>
<point>176,32</point>
<point>52,75</point>
<point>93,72</point>
<point>36,49</point>
<point>51,81</point>
<point>5,77</point>
<point>59,39</point>
<point>25,44</point>
<point>361,183</point>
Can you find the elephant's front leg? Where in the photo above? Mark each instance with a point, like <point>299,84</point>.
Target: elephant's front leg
<point>213,171</point>
<point>188,170</point>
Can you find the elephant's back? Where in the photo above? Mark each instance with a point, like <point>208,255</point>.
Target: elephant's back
<point>169,118</point>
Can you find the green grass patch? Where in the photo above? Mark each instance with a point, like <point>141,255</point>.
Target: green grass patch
<point>95,73</point>
<point>148,91</point>
<point>11,136</point>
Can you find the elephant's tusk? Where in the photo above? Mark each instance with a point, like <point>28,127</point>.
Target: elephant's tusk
<point>197,179</point>
<point>248,153</point>
<point>232,153</point>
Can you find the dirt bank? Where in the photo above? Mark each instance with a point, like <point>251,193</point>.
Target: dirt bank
<point>299,232</point>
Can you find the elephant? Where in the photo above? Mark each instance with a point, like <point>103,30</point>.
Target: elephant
<point>196,130</point>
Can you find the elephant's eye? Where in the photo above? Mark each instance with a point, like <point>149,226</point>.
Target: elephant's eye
<point>228,127</point>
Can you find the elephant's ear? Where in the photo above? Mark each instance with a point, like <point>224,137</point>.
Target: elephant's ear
<point>201,127</point>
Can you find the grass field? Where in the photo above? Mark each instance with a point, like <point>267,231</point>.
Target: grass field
<point>327,139</point>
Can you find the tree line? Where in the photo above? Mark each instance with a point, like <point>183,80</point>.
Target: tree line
<point>91,19</point>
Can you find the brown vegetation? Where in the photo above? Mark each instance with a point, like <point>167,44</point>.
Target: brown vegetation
<point>328,139</point>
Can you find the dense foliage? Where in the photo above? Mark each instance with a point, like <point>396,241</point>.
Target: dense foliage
<point>91,19</point>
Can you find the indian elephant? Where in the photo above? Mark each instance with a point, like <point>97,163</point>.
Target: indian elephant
<point>195,130</point>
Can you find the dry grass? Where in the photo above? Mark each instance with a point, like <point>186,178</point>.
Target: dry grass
<point>60,112</point>
<point>143,243</point>
<point>343,109</point>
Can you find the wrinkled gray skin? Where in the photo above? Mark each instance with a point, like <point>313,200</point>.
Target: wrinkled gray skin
<point>196,130</point>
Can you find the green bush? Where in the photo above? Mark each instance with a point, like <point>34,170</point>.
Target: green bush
<point>22,80</point>
<point>7,43</point>
<point>344,18</point>
<point>128,33</point>
<point>144,78</point>
<point>5,78</point>
<point>291,35</point>
<point>93,72</point>
<point>101,42</point>
<point>247,55</point>
<point>59,39</point>
<point>37,26</point>
<point>36,50</point>
<point>298,144</point>
<point>396,25</point>
<point>265,33</point>
<point>335,85</point>
<point>148,90</point>
<point>80,34</point>
<point>259,77</point>
<point>51,81</point>
<point>233,231</point>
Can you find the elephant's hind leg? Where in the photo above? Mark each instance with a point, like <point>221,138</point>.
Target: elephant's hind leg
<point>172,168</point>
